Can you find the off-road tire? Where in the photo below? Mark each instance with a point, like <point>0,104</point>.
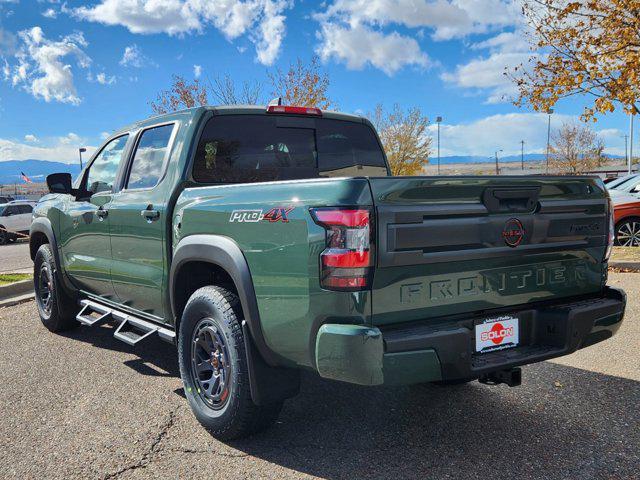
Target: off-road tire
<point>238,416</point>
<point>58,315</point>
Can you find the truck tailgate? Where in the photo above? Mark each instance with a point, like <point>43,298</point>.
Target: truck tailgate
<point>455,245</point>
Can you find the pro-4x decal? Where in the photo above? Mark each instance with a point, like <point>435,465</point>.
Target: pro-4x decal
<point>276,214</point>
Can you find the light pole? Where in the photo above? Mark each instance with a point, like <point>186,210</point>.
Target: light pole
<point>81,150</point>
<point>497,165</point>
<point>549,113</point>
<point>626,148</point>
<point>630,159</point>
<point>522,154</point>
<point>438,120</point>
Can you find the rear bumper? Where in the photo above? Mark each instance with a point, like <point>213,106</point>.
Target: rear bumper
<point>445,350</point>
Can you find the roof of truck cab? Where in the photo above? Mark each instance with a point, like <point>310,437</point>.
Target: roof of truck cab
<point>190,113</point>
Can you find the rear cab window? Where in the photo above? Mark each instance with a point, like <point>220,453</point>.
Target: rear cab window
<point>261,148</point>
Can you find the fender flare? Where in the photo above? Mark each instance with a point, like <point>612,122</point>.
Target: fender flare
<point>43,225</point>
<point>225,253</point>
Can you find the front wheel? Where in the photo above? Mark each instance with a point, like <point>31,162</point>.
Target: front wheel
<point>628,233</point>
<point>57,310</point>
<point>213,366</point>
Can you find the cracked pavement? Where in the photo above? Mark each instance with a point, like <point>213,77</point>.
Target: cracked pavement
<point>83,405</point>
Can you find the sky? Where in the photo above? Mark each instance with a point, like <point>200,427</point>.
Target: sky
<point>72,71</point>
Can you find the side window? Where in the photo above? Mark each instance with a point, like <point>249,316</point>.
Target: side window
<point>25,209</point>
<point>11,210</point>
<point>104,168</point>
<point>148,160</point>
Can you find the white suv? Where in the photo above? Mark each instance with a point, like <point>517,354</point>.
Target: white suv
<point>15,217</point>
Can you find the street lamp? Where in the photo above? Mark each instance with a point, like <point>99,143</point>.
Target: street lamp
<point>522,154</point>
<point>438,121</point>
<point>549,113</point>
<point>81,150</point>
<point>497,165</point>
<point>630,159</point>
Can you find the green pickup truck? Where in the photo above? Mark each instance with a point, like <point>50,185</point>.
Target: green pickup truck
<point>262,241</point>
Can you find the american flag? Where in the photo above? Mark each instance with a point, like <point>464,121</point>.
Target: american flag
<point>25,178</point>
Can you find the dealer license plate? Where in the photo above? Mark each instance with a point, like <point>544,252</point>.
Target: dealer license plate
<point>497,333</point>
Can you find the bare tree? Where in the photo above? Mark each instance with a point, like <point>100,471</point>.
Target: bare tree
<point>576,149</point>
<point>405,138</point>
<point>226,92</point>
<point>181,94</point>
<point>302,84</point>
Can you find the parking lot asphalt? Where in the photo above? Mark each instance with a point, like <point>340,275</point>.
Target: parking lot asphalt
<point>14,257</point>
<point>83,405</point>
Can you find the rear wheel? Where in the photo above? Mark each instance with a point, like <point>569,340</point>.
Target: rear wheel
<point>4,236</point>
<point>628,233</point>
<point>57,310</point>
<point>213,366</point>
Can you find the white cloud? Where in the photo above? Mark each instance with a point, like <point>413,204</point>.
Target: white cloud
<point>54,150</point>
<point>197,71</point>
<point>373,24</point>
<point>50,13</point>
<point>70,138</point>
<point>133,57</point>
<point>31,138</point>
<point>40,67</point>
<point>262,20</point>
<point>445,18</point>
<point>104,135</point>
<point>360,45</point>
<point>103,79</point>
<point>488,74</point>
<point>505,131</point>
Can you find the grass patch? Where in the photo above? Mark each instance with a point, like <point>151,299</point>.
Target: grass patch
<point>7,278</point>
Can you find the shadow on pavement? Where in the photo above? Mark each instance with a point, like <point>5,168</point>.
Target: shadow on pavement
<point>586,426</point>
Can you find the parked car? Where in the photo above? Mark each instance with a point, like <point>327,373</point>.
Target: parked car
<point>15,218</point>
<point>5,199</point>
<point>262,241</point>
<point>627,220</point>
<point>627,185</point>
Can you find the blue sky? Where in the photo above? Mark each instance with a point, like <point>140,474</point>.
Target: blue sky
<point>70,72</point>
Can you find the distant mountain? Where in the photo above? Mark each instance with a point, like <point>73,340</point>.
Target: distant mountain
<point>36,170</point>
<point>528,157</point>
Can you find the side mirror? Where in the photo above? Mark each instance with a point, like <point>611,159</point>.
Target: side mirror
<point>59,183</point>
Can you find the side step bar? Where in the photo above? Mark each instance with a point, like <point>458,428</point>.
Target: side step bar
<point>131,330</point>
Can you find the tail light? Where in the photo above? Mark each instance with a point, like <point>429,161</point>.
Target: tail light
<point>346,262</point>
<point>611,234</point>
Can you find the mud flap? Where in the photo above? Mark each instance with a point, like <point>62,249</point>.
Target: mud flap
<point>268,384</point>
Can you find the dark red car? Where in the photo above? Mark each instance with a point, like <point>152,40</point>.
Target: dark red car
<point>627,220</point>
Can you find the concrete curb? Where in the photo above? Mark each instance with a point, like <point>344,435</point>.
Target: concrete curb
<point>10,302</point>
<point>15,289</point>
<point>625,265</point>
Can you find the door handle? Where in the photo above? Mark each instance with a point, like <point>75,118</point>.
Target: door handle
<point>102,213</point>
<point>150,214</point>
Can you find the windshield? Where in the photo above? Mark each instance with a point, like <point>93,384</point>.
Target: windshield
<point>2,209</point>
<point>260,148</point>
<point>622,183</point>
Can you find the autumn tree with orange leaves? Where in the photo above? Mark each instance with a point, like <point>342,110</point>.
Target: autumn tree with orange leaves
<point>588,47</point>
<point>304,85</point>
<point>405,138</point>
